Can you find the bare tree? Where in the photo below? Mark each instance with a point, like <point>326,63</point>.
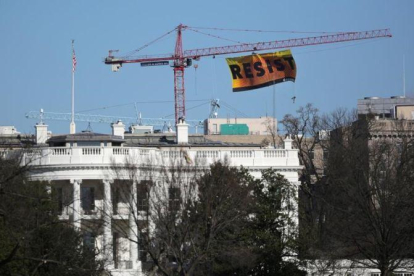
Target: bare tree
<point>190,210</point>
<point>33,241</point>
<point>193,219</point>
<point>357,204</point>
<point>304,128</point>
<point>371,192</point>
<point>271,129</point>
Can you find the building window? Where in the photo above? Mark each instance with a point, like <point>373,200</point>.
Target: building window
<point>143,195</point>
<point>89,240</point>
<point>88,199</point>
<point>174,197</point>
<point>311,154</point>
<point>58,197</point>
<point>325,155</point>
<point>89,245</point>
<point>89,144</point>
<point>142,241</point>
<point>115,240</point>
<point>115,199</point>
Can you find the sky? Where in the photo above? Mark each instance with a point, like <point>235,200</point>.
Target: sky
<point>36,56</point>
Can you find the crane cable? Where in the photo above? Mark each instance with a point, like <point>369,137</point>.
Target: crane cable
<point>349,44</point>
<point>133,103</point>
<point>235,110</point>
<point>216,36</point>
<point>195,77</point>
<point>268,31</point>
<point>187,109</point>
<point>149,43</point>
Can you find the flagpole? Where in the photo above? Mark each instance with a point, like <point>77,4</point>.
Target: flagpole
<point>72,123</point>
<point>404,74</point>
<point>274,116</point>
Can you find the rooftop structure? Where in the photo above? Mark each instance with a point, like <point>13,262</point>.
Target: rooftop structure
<point>5,130</point>
<point>382,107</point>
<point>255,126</point>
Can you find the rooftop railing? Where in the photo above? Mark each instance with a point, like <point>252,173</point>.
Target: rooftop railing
<point>109,155</point>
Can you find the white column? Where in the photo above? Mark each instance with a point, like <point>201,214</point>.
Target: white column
<point>288,143</point>
<point>133,228</point>
<point>41,133</point>
<point>118,129</point>
<point>107,226</point>
<point>182,132</point>
<point>76,203</point>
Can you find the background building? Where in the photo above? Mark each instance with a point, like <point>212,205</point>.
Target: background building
<point>384,107</point>
<point>240,126</point>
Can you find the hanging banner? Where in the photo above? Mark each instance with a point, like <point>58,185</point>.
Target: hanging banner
<point>261,70</point>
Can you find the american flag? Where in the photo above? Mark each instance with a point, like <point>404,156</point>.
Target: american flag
<point>73,61</point>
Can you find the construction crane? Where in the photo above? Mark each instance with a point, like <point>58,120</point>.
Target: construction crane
<point>214,106</point>
<point>182,59</point>
<point>106,119</point>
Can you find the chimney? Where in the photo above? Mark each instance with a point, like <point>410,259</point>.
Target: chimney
<point>72,128</point>
<point>182,132</point>
<point>118,129</point>
<point>41,133</point>
<point>288,142</point>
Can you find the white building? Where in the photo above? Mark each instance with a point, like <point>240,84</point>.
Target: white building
<point>80,169</point>
<point>8,130</point>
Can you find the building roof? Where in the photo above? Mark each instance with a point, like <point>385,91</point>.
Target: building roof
<point>16,140</point>
<point>85,136</point>
<point>381,106</point>
<point>160,140</point>
<point>140,140</point>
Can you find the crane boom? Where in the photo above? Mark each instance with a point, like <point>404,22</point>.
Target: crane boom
<point>258,46</point>
<point>182,59</point>
<point>288,43</point>
<point>92,118</point>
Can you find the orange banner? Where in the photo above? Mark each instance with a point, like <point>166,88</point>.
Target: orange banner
<point>261,70</point>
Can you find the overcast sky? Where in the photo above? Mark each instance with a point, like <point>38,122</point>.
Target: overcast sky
<point>36,65</point>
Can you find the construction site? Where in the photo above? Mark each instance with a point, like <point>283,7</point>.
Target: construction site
<point>112,211</point>
<point>224,122</point>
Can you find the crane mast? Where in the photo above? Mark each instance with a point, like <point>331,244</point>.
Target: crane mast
<point>182,59</point>
<point>179,65</point>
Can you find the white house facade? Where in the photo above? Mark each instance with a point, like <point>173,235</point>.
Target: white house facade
<point>79,167</point>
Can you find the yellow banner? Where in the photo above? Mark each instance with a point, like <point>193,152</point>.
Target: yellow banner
<point>261,70</point>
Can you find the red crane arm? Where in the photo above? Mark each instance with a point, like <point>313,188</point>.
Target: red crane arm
<point>288,43</point>
<point>147,58</point>
<point>259,46</point>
